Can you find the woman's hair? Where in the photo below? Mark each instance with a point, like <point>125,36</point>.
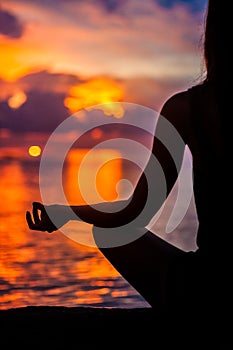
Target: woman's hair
<point>217,41</point>
<point>218,59</point>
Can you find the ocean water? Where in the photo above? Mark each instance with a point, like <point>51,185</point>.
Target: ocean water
<point>38,268</point>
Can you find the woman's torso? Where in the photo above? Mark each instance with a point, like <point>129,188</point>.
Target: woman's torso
<point>206,143</point>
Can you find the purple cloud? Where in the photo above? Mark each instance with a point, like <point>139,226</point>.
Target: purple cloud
<point>42,112</point>
<point>10,25</point>
<point>194,5</point>
<point>45,81</point>
<point>44,108</point>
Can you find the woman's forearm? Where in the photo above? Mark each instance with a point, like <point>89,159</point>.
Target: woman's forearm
<point>115,214</point>
<point>101,214</point>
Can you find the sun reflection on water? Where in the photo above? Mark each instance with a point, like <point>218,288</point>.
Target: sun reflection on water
<point>41,269</point>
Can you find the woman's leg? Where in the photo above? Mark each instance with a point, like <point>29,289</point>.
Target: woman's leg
<point>145,263</point>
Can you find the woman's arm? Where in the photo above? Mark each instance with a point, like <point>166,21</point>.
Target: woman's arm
<point>176,112</point>
<point>145,195</point>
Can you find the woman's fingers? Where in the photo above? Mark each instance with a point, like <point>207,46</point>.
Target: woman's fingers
<point>35,213</point>
<point>40,222</point>
<point>34,221</point>
<point>37,206</point>
<point>31,224</point>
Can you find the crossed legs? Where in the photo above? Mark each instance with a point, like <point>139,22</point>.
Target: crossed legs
<point>147,264</point>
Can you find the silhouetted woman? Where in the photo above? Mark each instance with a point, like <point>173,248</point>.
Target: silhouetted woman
<point>170,279</point>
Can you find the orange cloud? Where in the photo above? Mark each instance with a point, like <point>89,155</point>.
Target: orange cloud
<point>149,51</point>
<point>94,92</point>
<point>142,39</point>
<point>10,67</point>
<point>18,58</point>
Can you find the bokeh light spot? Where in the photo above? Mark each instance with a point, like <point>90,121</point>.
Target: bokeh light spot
<point>17,100</point>
<point>34,151</point>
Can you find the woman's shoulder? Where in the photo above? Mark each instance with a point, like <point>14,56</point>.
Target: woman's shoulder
<point>176,102</point>
<point>180,101</point>
<point>178,108</point>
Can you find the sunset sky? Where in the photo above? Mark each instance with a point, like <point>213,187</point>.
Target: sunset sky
<point>57,56</point>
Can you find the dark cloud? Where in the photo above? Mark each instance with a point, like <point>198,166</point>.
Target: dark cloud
<point>46,81</point>
<point>111,5</point>
<point>44,108</point>
<point>42,112</point>
<point>10,25</point>
<point>108,5</point>
<point>194,5</point>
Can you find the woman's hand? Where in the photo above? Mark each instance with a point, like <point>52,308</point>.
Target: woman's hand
<point>39,219</point>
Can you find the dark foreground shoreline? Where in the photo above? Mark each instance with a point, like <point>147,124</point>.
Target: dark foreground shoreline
<point>69,327</point>
<point>55,327</point>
